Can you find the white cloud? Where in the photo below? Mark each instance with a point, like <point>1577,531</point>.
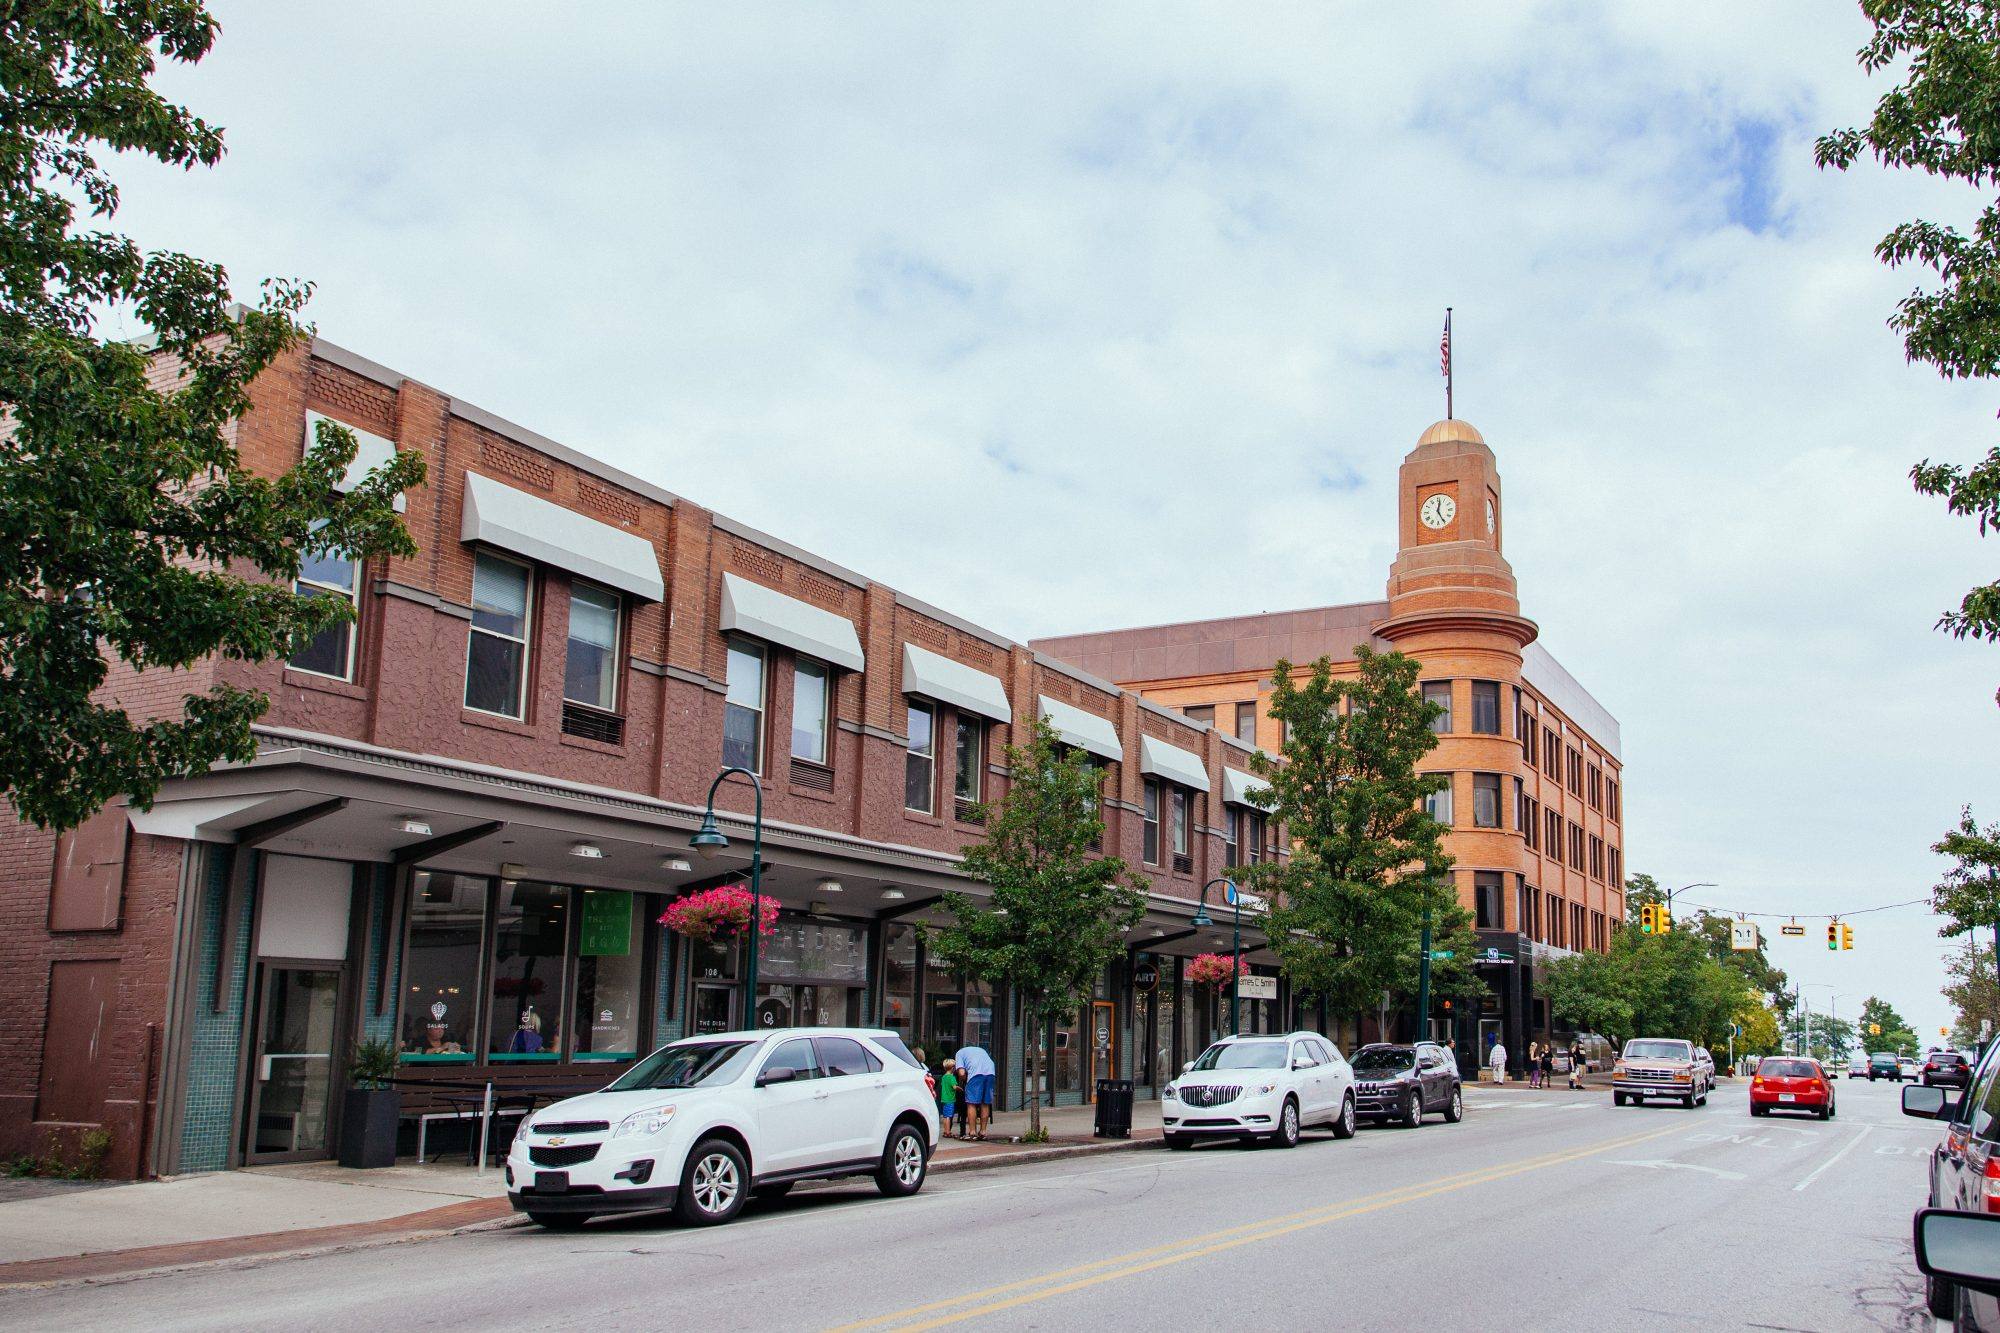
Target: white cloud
<point>1067,318</point>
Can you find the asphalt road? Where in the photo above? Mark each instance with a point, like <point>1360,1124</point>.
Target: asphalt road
<point>1538,1211</point>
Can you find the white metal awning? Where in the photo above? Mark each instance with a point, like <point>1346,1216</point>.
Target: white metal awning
<point>1086,731</point>
<point>938,677</point>
<point>765,613</point>
<point>1172,763</point>
<point>1237,787</point>
<point>370,452</point>
<point>529,525</point>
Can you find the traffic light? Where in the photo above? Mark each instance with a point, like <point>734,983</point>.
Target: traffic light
<point>1648,919</point>
<point>1833,934</point>
<point>1846,936</point>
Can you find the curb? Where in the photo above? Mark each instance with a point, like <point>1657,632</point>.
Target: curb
<point>103,1267</point>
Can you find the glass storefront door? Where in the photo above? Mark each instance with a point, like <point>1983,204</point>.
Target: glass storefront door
<point>714,1007</point>
<point>1103,1047</point>
<point>293,1094</point>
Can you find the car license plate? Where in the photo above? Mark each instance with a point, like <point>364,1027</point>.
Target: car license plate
<point>1788,1096</point>
<point>551,1182</point>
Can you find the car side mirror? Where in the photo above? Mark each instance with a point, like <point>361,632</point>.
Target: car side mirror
<point>1188,1068</point>
<point>785,1074</point>
<point>1960,1247</point>
<point>1925,1103</point>
<point>1301,1064</point>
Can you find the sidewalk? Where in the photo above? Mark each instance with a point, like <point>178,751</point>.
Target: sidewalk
<point>77,1233</point>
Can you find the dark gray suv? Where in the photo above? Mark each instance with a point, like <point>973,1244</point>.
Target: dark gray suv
<point>1403,1083</point>
<point>1964,1177</point>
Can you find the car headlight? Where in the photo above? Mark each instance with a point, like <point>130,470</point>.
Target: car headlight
<point>1170,1093</point>
<point>1264,1090</point>
<point>649,1121</point>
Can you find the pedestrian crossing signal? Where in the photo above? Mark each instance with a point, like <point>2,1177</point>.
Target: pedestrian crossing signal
<point>1846,936</point>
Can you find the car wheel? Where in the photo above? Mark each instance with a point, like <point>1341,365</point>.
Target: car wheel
<point>1759,1110</point>
<point>713,1184</point>
<point>1703,1099</point>
<point>1287,1133</point>
<point>1831,1109</point>
<point>1618,1099</point>
<point>1178,1142</point>
<point>1688,1101</point>
<point>777,1191</point>
<point>1941,1298</point>
<point>1343,1128</point>
<point>559,1221</point>
<point>1413,1110</point>
<point>1454,1110</point>
<point>904,1163</point>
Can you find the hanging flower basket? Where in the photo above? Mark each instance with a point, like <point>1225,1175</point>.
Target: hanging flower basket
<point>1213,969</point>
<point>720,913</point>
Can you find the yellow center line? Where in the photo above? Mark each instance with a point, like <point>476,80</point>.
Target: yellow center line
<point>1215,1242</point>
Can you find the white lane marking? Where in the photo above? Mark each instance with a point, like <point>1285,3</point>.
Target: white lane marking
<point>1851,1145</point>
<point>1660,1164</point>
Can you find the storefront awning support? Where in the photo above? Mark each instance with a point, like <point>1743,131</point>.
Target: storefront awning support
<point>449,842</point>
<point>1156,941</point>
<point>891,913</point>
<point>248,839</point>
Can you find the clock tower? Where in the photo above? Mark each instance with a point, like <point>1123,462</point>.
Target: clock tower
<point>1449,575</point>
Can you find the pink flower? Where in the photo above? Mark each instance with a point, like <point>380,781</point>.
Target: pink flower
<point>720,912</point>
<point>1213,969</point>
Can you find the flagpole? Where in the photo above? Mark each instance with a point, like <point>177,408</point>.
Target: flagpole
<point>1447,363</point>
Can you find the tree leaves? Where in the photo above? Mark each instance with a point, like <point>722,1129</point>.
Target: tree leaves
<point>130,532</point>
<point>1943,119</point>
<point>1968,897</point>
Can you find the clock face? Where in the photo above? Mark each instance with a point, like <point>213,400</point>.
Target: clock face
<point>1438,511</point>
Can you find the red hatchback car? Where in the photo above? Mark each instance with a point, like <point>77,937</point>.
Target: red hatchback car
<point>1788,1083</point>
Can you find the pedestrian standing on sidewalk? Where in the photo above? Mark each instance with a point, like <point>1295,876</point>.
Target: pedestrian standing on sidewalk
<point>1497,1058</point>
<point>1534,1064</point>
<point>1549,1065</point>
<point>977,1066</point>
<point>1576,1065</point>
<point>948,1094</point>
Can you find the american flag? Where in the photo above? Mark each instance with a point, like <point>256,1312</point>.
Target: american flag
<point>1444,348</point>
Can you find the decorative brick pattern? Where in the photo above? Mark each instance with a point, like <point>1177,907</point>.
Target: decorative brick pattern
<point>515,463</point>
<point>614,504</point>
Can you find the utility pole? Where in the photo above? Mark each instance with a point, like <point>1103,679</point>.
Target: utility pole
<point>1424,979</point>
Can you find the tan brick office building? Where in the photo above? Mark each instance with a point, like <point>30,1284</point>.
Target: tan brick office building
<point>1537,777</point>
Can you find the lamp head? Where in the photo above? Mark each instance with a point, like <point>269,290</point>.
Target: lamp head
<point>1201,919</point>
<point>708,839</point>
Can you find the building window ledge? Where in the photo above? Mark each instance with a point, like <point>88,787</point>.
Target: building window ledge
<point>472,717</point>
<point>306,680</point>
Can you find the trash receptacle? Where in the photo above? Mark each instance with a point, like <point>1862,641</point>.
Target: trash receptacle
<point>1114,1108</point>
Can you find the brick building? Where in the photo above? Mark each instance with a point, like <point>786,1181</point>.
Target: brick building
<point>1537,779</point>
<point>469,809</point>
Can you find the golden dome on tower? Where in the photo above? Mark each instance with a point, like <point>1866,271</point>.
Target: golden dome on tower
<point>1451,431</point>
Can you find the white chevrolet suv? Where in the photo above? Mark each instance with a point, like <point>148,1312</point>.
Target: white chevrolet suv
<point>700,1125</point>
<point>1267,1087</point>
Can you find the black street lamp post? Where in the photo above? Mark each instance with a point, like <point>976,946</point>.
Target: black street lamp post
<point>1201,921</point>
<point>707,841</point>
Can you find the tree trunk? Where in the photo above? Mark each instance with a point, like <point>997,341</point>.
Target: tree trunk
<point>1038,1063</point>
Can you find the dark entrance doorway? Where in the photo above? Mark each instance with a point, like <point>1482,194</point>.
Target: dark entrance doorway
<point>292,1068</point>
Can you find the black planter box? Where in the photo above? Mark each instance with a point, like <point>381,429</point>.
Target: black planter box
<point>368,1126</point>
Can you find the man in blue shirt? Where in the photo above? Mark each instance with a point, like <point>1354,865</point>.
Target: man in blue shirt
<point>977,1066</point>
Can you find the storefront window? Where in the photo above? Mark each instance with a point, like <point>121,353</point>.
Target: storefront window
<point>531,930</point>
<point>817,971</point>
<point>1068,1055</point>
<point>608,998</point>
<point>441,979</point>
<point>899,981</point>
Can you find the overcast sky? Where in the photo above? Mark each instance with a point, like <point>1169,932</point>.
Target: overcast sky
<point>1075,317</point>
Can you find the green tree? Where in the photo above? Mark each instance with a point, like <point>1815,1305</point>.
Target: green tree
<point>1593,992</point>
<point>129,530</point>
<point>1761,1034</point>
<point>1942,119</point>
<point>1896,1033</point>
<point>1346,908</point>
<point>1973,991</point>
<point>1667,985</point>
<point>1717,936</point>
<point>1968,897</point>
<point>1056,911</point>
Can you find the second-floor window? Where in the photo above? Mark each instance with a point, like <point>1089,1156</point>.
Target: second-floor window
<point>1259,836</point>
<point>1246,723</point>
<point>1487,886</point>
<point>331,651</point>
<point>920,761</point>
<point>590,669</point>
<point>1486,707</point>
<point>1200,713</point>
<point>969,761</point>
<point>743,709</point>
<point>1232,837</point>
<point>1150,848</point>
<point>1437,804</point>
<point>496,654</point>
<point>1486,800</point>
<point>1439,692</point>
<point>1180,812</point>
<point>811,709</point>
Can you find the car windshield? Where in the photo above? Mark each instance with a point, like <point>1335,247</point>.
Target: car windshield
<point>692,1065</point>
<point>1242,1055</point>
<point>1948,1058</point>
<point>1658,1050</point>
<point>1383,1064</point>
<point>1787,1069</point>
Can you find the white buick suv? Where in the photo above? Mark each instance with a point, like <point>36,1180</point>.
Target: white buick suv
<point>1262,1087</point>
<point>700,1125</point>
